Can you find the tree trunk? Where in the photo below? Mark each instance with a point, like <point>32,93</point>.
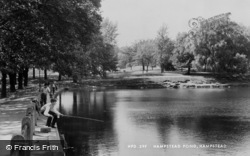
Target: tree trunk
<point>189,68</point>
<point>147,68</point>
<point>162,68</point>
<point>104,74</point>
<point>26,76</point>
<point>59,77</point>
<point>4,90</point>
<point>75,78</point>
<point>205,68</point>
<point>20,80</point>
<point>34,72</point>
<point>205,63</point>
<point>12,80</point>
<point>45,74</point>
<point>143,66</point>
<point>74,103</point>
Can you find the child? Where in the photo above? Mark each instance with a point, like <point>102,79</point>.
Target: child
<point>45,92</point>
<point>53,87</point>
<point>52,114</point>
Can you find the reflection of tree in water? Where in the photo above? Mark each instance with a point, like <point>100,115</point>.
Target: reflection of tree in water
<point>203,129</point>
<point>83,104</point>
<point>215,129</point>
<point>87,136</point>
<point>163,126</point>
<point>79,134</point>
<point>209,129</point>
<point>79,144</point>
<point>74,103</point>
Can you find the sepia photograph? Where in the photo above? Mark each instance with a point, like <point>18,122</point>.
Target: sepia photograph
<point>124,78</point>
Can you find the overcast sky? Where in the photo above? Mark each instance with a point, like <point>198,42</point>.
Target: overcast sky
<point>141,19</point>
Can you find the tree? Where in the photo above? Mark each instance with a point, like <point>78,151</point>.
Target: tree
<point>109,54</point>
<point>220,45</point>
<point>185,49</point>
<point>15,21</point>
<point>36,31</point>
<point>165,48</point>
<point>102,57</point>
<point>145,53</point>
<point>109,32</point>
<point>78,21</point>
<point>127,56</point>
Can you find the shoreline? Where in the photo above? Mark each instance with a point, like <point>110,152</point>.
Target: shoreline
<point>156,82</point>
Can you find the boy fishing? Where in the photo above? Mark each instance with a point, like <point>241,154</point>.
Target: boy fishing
<point>52,114</point>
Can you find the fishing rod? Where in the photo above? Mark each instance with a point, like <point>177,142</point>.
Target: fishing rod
<point>90,119</point>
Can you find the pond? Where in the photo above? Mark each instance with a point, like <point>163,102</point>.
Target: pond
<point>183,122</point>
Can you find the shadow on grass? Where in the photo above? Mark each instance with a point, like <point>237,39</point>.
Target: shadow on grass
<point>135,83</point>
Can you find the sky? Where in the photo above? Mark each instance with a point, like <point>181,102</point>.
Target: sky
<point>141,19</point>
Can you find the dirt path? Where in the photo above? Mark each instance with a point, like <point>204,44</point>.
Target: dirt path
<point>12,110</point>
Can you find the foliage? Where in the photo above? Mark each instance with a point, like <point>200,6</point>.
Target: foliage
<point>165,49</point>
<point>46,33</point>
<point>127,56</point>
<point>109,54</point>
<point>109,32</point>
<point>99,56</point>
<point>146,52</point>
<point>220,45</point>
<point>184,51</point>
<point>40,31</point>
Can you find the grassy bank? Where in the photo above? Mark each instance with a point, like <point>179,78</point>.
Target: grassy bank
<point>136,79</point>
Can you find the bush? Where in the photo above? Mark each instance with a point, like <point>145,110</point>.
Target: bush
<point>169,66</point>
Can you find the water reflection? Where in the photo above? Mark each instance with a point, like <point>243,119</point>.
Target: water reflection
<point>87,137</point>
<point>157,117</point>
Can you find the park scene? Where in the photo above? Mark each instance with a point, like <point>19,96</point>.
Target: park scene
<point>124,77</point>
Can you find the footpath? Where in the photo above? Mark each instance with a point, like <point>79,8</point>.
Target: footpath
<point>12,111</point>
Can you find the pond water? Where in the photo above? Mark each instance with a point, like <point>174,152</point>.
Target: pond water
<point>157,122</point>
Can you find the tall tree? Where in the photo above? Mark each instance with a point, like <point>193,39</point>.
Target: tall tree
<point>109,31</point>
<point>127,56</point>
<point>222,46</point>
<point>185,50</point>
<point>165,48</point>
<point>37,32</point>
<point>145,53</point>
<point>109,55</point>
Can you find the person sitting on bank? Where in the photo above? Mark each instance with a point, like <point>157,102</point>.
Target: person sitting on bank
<point>52,114</point>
